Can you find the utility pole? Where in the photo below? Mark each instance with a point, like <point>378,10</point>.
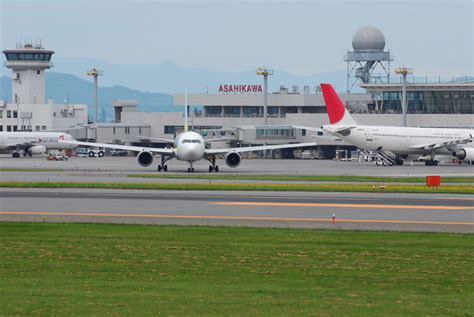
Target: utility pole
<point>94,72</point>
<point>404,71</point>
<point>262,71</point>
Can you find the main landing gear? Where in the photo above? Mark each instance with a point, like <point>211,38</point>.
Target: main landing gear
<point>163,167</point>
<point>398,161</point>
<point>431,162</point>
<point>213,167</point>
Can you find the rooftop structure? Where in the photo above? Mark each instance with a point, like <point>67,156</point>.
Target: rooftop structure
<point>28,64</point>
<point>28,109</point>
<point>368,62</point>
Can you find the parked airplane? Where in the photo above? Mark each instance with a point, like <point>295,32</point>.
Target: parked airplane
<point>395,143</point>
<point>189,146</point>
<point>34,143</point>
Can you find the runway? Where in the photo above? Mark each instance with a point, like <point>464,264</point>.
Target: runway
<point>364,211</point>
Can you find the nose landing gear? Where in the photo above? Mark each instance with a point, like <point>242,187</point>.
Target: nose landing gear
<point>190,168</point>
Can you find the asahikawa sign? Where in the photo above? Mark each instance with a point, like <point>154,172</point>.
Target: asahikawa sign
<point>242,89</point>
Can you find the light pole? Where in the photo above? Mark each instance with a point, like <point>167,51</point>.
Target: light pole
<point>404,71</point>
<point>262,71</point>
<point>94,72</point>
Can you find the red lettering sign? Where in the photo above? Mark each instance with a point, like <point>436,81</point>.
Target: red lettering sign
<point>240,89</point>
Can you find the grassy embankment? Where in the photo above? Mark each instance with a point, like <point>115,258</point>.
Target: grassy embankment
<point>390,188</point>
<point>110,270</point>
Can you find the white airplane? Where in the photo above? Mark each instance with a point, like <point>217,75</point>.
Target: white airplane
<point>34,143</point>
<point>190,147</point>
<point>394,143</point>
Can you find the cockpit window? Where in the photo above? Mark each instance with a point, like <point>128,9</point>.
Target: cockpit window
<point>191,141</point>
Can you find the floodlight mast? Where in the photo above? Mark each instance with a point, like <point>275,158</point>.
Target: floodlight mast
<point>94,72</point>
<point>262,71</point>
<point>404,71</point>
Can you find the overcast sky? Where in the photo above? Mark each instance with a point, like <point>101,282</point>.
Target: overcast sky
<point>302,37</point>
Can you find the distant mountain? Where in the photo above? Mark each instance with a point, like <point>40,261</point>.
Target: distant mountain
<point>60,87</point>
<point>171,78</point>
<point>465,79</point>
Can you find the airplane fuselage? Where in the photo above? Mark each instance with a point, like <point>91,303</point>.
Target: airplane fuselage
<point>399,140</point>
<point>50,140</point>
<point>189,146</point>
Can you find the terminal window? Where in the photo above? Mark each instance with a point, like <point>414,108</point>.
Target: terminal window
<point>275,133</point>
<point>169,129</point>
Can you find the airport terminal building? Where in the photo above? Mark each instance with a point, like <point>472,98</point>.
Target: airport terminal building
<point>240,115</point>
<point>237,111</point>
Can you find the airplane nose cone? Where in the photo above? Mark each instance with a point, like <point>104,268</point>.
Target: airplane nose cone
<point>191,152</point>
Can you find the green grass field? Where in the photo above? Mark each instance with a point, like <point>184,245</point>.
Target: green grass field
<point>109,270</point>
<point>334,187</point>
<point>304,178</point>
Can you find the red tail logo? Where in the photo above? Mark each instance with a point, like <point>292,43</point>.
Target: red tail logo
<point>334,105</point>
<point>61,137</point>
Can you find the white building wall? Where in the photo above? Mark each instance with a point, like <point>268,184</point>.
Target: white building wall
<point>42,117</point>
<point>28,86</point>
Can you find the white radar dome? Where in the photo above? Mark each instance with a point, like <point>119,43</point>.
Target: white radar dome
<point>368,38</point>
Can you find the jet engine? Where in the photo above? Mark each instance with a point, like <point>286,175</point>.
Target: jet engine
<point>145,158</point>
<point>232,159</point>
<point>36,150</point>
<point>465,154</point>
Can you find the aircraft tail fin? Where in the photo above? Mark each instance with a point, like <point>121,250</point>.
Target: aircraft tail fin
<point>337,112</point>
<point>185,111</point>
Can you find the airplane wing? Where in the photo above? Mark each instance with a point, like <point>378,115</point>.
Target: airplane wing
<point>319,130</point>
<point>258,148</point>
<point>122,147</point>
<point>446,144</point>
<point>156,139</point>
<point>172,141</point>
<point>307,128</point>
<point>218,140</point>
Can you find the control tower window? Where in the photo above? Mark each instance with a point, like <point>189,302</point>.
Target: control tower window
<point>12,57</point>
<point>28,56</point>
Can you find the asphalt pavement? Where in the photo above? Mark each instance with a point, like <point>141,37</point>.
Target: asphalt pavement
<point>363,211</point>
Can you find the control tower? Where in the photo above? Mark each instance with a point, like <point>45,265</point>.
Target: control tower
<point>28,64</point>
<point>368,62</point>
